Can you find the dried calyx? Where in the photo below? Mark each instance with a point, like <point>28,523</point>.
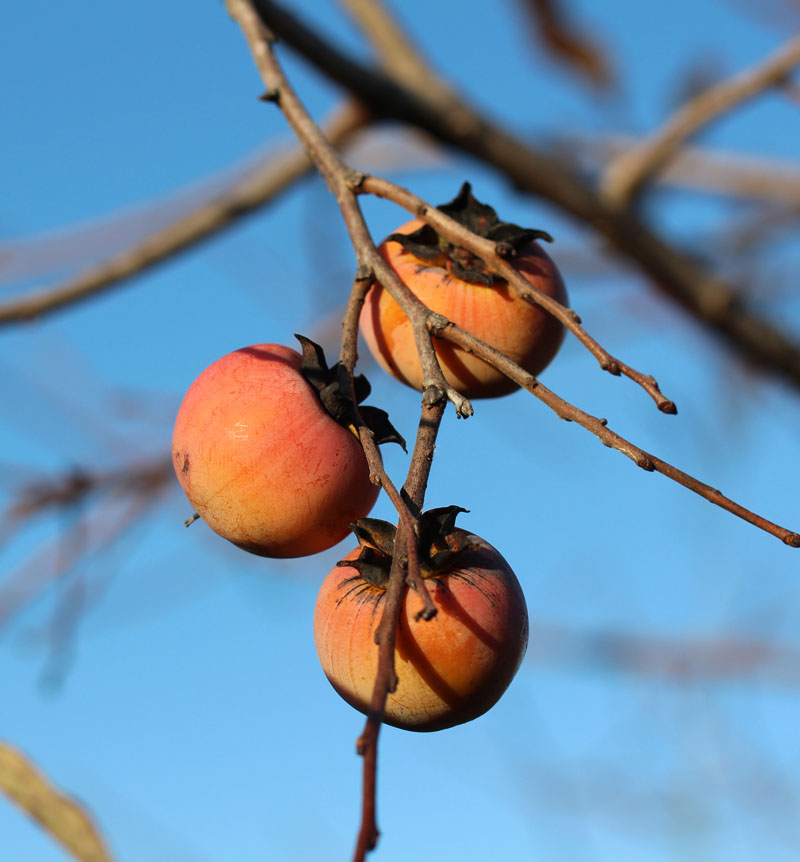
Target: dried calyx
<point>440,545</point>
<point>332,386</point>
<point>482,220</point>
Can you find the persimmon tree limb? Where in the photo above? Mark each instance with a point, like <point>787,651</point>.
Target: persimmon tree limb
<point>712,301</point>
<point>347,356</point>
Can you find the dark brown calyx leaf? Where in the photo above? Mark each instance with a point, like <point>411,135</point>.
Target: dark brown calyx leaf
<point>332,386</point>
<point>372,565</point>
<point>440,544</point>
<point>426,245</point>
<point>436,524</point>
<point>374,560</point>
<point>423,243</point>
<point>377,421</point>
<point>375,533</point>
<point>439,539</point>
<point>315,367</point>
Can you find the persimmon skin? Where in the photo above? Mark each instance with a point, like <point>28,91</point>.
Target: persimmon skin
<point>261,460</point>
<point>450,669</point>
<point>526,333</point>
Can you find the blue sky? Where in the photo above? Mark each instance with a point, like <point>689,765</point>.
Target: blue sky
<point>187,708</point>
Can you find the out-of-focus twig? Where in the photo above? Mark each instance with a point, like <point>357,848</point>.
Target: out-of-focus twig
<point>728,174</point>
<point>627,175</point>
<point>139,486</point>
<point>59,815</point>
<point>568,44</point>
<point>261,185</point>
<point>731,657</point>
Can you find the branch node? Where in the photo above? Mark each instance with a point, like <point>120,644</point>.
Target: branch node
<point>436,322</point>
<point>355,180</point>
<point>433,394</point>
<point>645,463</point>
<point>364,272</point>
<point>271,95</point>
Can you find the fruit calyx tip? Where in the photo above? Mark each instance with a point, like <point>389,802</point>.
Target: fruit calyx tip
<point>431,248</point>
<point>332,388</point>
<point>440,545</point>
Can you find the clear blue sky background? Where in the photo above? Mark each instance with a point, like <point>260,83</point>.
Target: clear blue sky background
<point>187,708</point>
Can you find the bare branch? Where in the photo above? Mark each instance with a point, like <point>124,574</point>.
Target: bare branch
<point>394,50</point>
<point>263,184</point>
<point>600,429</point>
<point>348,356</point>
<point>341,180</point>
<point>626,176</point>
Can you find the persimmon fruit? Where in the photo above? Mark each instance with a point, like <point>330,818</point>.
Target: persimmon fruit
<point>455,284</point>
<point>452,668</point>
<point>263,462</point>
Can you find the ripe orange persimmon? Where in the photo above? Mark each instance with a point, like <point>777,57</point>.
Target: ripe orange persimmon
<point>262,461</point>
<point>452,668</point>
<point>491,311</point>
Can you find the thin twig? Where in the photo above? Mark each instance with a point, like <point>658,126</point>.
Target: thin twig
<point>600,429</point>
<point>395,52</point>
<point>626,176</point>
<point>699,169</point>
<point>485,249</point>
<point>261,185</point>
<point>347,356</point>
<point>385,636</point>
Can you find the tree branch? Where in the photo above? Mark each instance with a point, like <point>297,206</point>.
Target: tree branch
<point>600,429</point>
